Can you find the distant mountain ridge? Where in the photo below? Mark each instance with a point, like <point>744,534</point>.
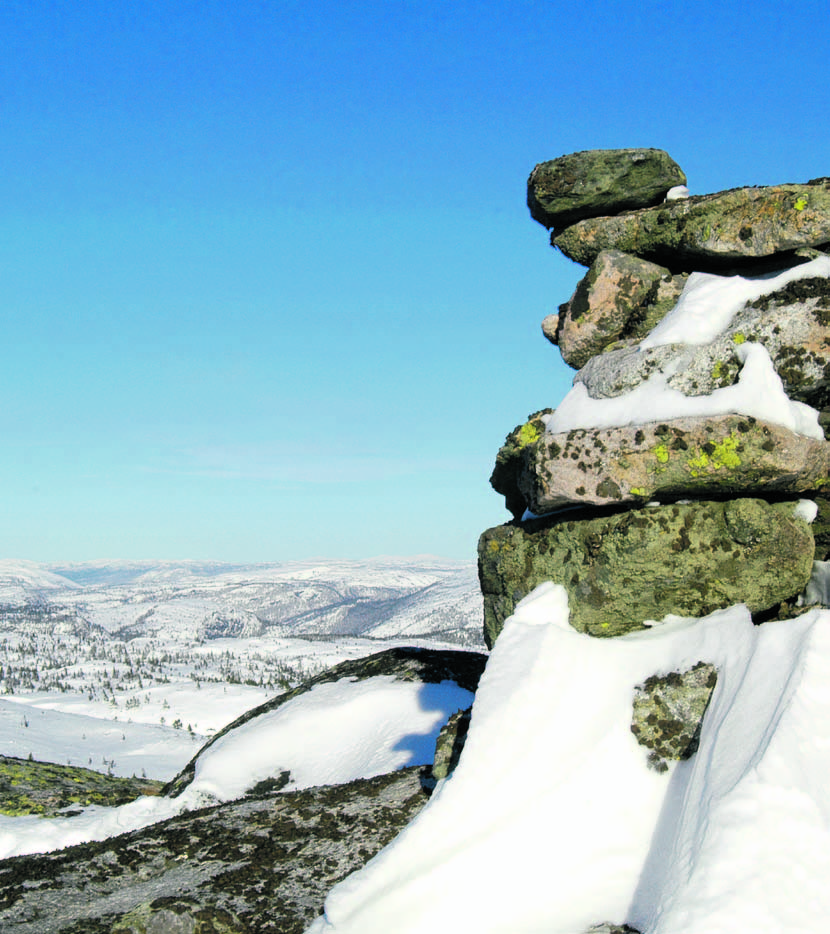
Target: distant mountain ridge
<point>421,597</point>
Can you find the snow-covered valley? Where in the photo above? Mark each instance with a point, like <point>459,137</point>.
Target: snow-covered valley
<point>128,667</point>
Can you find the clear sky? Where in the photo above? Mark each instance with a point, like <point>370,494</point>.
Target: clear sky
<point>269,286</point>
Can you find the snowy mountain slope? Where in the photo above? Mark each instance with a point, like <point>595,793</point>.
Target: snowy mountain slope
<point>23,582</point>
<point>115,747</point>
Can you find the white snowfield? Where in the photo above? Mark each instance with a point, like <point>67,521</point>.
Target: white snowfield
<point>553,821</point>
<point>332,734</point>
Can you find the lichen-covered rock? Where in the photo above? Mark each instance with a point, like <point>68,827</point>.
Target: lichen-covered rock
<point>710,232</point>
<point>47,788</point>
<point>700,457</point>
<point>668,710</point>
<point>510,461</point>
<point>450,743</point>
<point>598,182</point>
<point>623,569</point>
<point>405,663</point>
<point>621,297</point>
<point>263,864</point>
<point>792,324</point>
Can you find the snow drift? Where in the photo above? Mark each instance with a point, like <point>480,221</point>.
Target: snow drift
<point>553,821</point>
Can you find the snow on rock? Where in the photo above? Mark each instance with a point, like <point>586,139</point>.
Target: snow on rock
<point>806,509</point>
<point>705,309</point>
<point>709,302</point>
<point>759,392</point>
<point>332,734</point>
<point>552,820</point>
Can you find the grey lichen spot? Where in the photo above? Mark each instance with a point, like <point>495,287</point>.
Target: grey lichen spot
<point>668,710</point>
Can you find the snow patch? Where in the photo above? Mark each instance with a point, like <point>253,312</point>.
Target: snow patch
<point>759,392</point>
<point>332,734</point>
<point>806,509</point>
<point>709,302</point>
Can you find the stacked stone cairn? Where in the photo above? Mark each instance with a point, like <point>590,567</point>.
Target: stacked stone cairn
<point>687,515</point>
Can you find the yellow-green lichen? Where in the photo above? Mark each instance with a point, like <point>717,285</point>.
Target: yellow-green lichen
<point>800,204</point>
<point>638,491</point>
<point>738,338</point>
<point>528,434</point>
<point>718,455</point>
<point>661,452</point>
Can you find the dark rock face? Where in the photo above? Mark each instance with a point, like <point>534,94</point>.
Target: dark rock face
<point>668,711</point>
<point>430,666</point>
<point>622,569</point>
<point>261,864</point>
<point>599,182</point>
<point>450,743</point>
<point>710,232</point>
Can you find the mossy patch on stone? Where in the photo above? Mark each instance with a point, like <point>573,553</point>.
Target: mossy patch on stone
<point>47,788</point>
<point>703,457</point>
<point>628,567</point>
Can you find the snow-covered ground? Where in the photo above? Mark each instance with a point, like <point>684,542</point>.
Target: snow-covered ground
<point>154,730</point>
<point>553,820</point>
<point>69,729</point>
<point>334,733</point>
<point>127,667</point>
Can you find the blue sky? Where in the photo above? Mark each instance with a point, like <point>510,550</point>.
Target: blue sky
<point>270,289</point>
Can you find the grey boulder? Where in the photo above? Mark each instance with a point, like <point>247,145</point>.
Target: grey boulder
<point>598,182</point>
<point>724,455</point>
